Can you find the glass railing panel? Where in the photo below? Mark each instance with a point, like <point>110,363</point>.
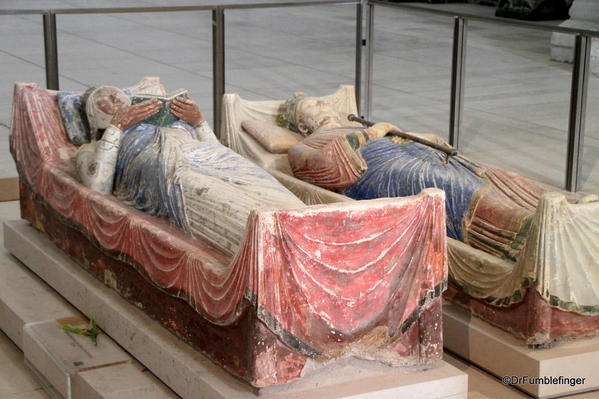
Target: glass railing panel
<point>517,102</point>
<point>120,49</point>
<point>272,53</point>
<point>590,165</point>
<point>21,59</point>
<point>411,70</point>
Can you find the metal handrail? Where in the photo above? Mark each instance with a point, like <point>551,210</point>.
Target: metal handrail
<point>364,46</point>
<point>218,36</point>
<point>496,20</point>
<point>384,3</point>
<point>206,7</point>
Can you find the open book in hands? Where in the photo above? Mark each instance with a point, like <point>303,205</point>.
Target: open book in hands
<point>163,117</point>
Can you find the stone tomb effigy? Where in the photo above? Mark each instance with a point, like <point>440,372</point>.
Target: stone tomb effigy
<point>526,258</point>
<point>307,286</point>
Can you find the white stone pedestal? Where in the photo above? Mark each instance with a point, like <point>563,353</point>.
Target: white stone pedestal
<point>584,14</point>
<point>189,373</point>
<point>503,355</point>
<point>57,356</point>
<point>25,303</point>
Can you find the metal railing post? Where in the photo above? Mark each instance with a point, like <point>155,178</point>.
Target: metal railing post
<point>359,44</point>
<point>51,50</point>
<point>218,66</point>
<point>367,109</point>
<point>458,72</point>
<point>578,106</point>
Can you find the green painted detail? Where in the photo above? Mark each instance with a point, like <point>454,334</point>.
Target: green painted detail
<point>518,242</point>
<point>587,310</point>
<point>365,135</point>
<point>353,140</point>
<point>513,251</point>
<point>518,296</point>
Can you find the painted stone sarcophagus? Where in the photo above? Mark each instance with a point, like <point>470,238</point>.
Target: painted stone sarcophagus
<point>521,256</point>
<point>306,286</point>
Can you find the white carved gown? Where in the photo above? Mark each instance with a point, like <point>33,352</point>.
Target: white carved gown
<point>200,185</point>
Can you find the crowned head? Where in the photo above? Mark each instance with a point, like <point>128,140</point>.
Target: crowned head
<point>304,114</point>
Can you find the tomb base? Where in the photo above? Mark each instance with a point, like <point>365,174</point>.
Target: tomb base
<point>66,365</point>
<point>568,367</point>
<point>187,371</point>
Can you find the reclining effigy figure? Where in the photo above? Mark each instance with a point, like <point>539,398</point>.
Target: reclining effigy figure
<point>179,172</point>
<point>522,257</point>
<point>217,250</point>
<point>487,208</point>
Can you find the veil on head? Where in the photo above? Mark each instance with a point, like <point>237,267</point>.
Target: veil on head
<point>95,117</point>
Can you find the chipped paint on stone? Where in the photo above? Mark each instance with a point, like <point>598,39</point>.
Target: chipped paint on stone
<point>265,312</point>
<point>523,246</point>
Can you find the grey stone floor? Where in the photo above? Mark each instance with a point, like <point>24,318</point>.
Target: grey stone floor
<point>517,100</point>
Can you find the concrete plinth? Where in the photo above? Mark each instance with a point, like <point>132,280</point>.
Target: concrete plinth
<point>25,303</point>
<point>58,356</point>
<point>24,298</point>
<point>121,381</point>
<point>185,370</point>
<point>503,355</point>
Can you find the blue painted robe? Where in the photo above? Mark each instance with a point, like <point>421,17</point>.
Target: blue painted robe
<point>202,187</point>
<point>398,170</point>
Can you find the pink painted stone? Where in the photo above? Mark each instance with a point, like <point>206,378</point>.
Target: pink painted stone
<point>322,282</point>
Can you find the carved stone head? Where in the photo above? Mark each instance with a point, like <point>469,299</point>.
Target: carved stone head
<point>305,114</point>
<point>101,104</point>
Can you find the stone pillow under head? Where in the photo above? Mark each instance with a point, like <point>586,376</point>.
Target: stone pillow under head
<point>273,138</point>
<point>69,104</point>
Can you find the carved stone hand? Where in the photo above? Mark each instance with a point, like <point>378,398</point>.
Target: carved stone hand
<point>381,129</point>
<point>188,111</point>
<point>129,116</point>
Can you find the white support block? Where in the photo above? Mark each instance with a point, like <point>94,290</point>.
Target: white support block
<point>24,298</point>
<point>501,354</point>
<point>58,356</point>
<point>121,381</point>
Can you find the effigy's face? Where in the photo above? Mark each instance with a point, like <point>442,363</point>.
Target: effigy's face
<point>311,113</point>
<point>110,100</point>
